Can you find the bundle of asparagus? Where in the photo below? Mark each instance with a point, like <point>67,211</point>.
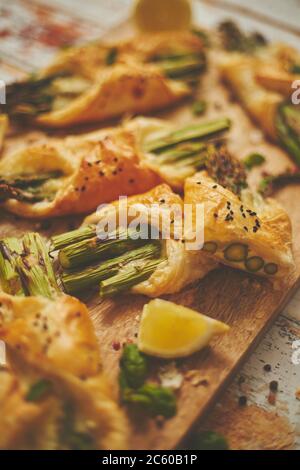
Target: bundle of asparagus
<point>117,263</point>
<point>288,128</point>
<point>187,149</point>
<point>27,187</point>
<point>182,66</point>
<point>29,98</point>
<point>198,147</point>
<point>25,267</point>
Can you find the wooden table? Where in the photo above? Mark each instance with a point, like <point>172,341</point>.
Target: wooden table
<point>21,33</point>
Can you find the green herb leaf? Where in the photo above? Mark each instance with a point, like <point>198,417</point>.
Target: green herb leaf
<point>288,129</point>
<point>134,367</point>
<point>203,35</point>
<point>253,160</point>
<point>295,68</point>
<point>156,400</point>
<point>80,441</point>
<point>153,399</point>
<point>199,107</point>
<point>209,440</point>
<point>111,56</point>
<point>270,183</point>
<point>38,390</point>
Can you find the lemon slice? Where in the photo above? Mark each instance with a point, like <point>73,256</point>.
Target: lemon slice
<point>162,15</point>
<point>169,331</point>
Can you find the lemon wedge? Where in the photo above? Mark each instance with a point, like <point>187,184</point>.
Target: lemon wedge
<point>162,15</point>
<point>168,330</point>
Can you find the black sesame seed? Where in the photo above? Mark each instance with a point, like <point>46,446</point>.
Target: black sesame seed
<point>267,368</point>
<point>246,228</point>
<point>255,229</point>
<point>242,400</point>
<point>273,386</point>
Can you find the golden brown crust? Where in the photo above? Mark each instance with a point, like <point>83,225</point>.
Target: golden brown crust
<point>89,59</point>
<point>88,406</point>
<point>128,88</point>
<point>274,66</point>
<point>97,169</point>
<point>147,129</point>
<point>182,266</point>
<point>264,227</point>
<point>56,332</point>
<point>238,71</point>
<point>130,85</point>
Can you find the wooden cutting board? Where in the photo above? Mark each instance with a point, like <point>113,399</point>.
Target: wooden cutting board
<point>248,304</point>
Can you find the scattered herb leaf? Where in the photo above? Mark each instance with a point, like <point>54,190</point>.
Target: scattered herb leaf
<point>38,390</point>
<point>270,183</point>
<point>295,68</point>
<point>154,399</point>
<point>209,440</point>
<point>199,107</point>
<point>253,160</point>
<point>111,56</point>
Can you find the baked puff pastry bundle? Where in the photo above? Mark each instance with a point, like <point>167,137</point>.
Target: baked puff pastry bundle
<point>243,231</point>
<point>95,82</point>
<point>73,175</point>
<point>133,245</point>
<point>123,246</point>
<point>265,82</point>
<point>53,393</point>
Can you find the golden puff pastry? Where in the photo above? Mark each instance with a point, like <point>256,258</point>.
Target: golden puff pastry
<point>73,175</point>
<point>57,332</point>
<point>169,267</point>
<point>177,160</point>
<point>275,71</point>
<point>95,82</point>
<point>279,119</point>
<point>244,232</point>
<point>88,59</point>
<point>238,70</point>
<point>124,88</point>
<point>46,409</point>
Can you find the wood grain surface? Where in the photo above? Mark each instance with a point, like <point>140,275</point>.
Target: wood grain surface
<point>248,304</point>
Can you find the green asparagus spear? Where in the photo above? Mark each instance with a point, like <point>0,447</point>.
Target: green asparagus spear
<point>193,132</point>
<point>288,128</point>
<point>35,268</point>
<point>93,249</point>
<point>9,277</point>
<point>76,281</point>
<point>75,236</point>
<point>128,277</point>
